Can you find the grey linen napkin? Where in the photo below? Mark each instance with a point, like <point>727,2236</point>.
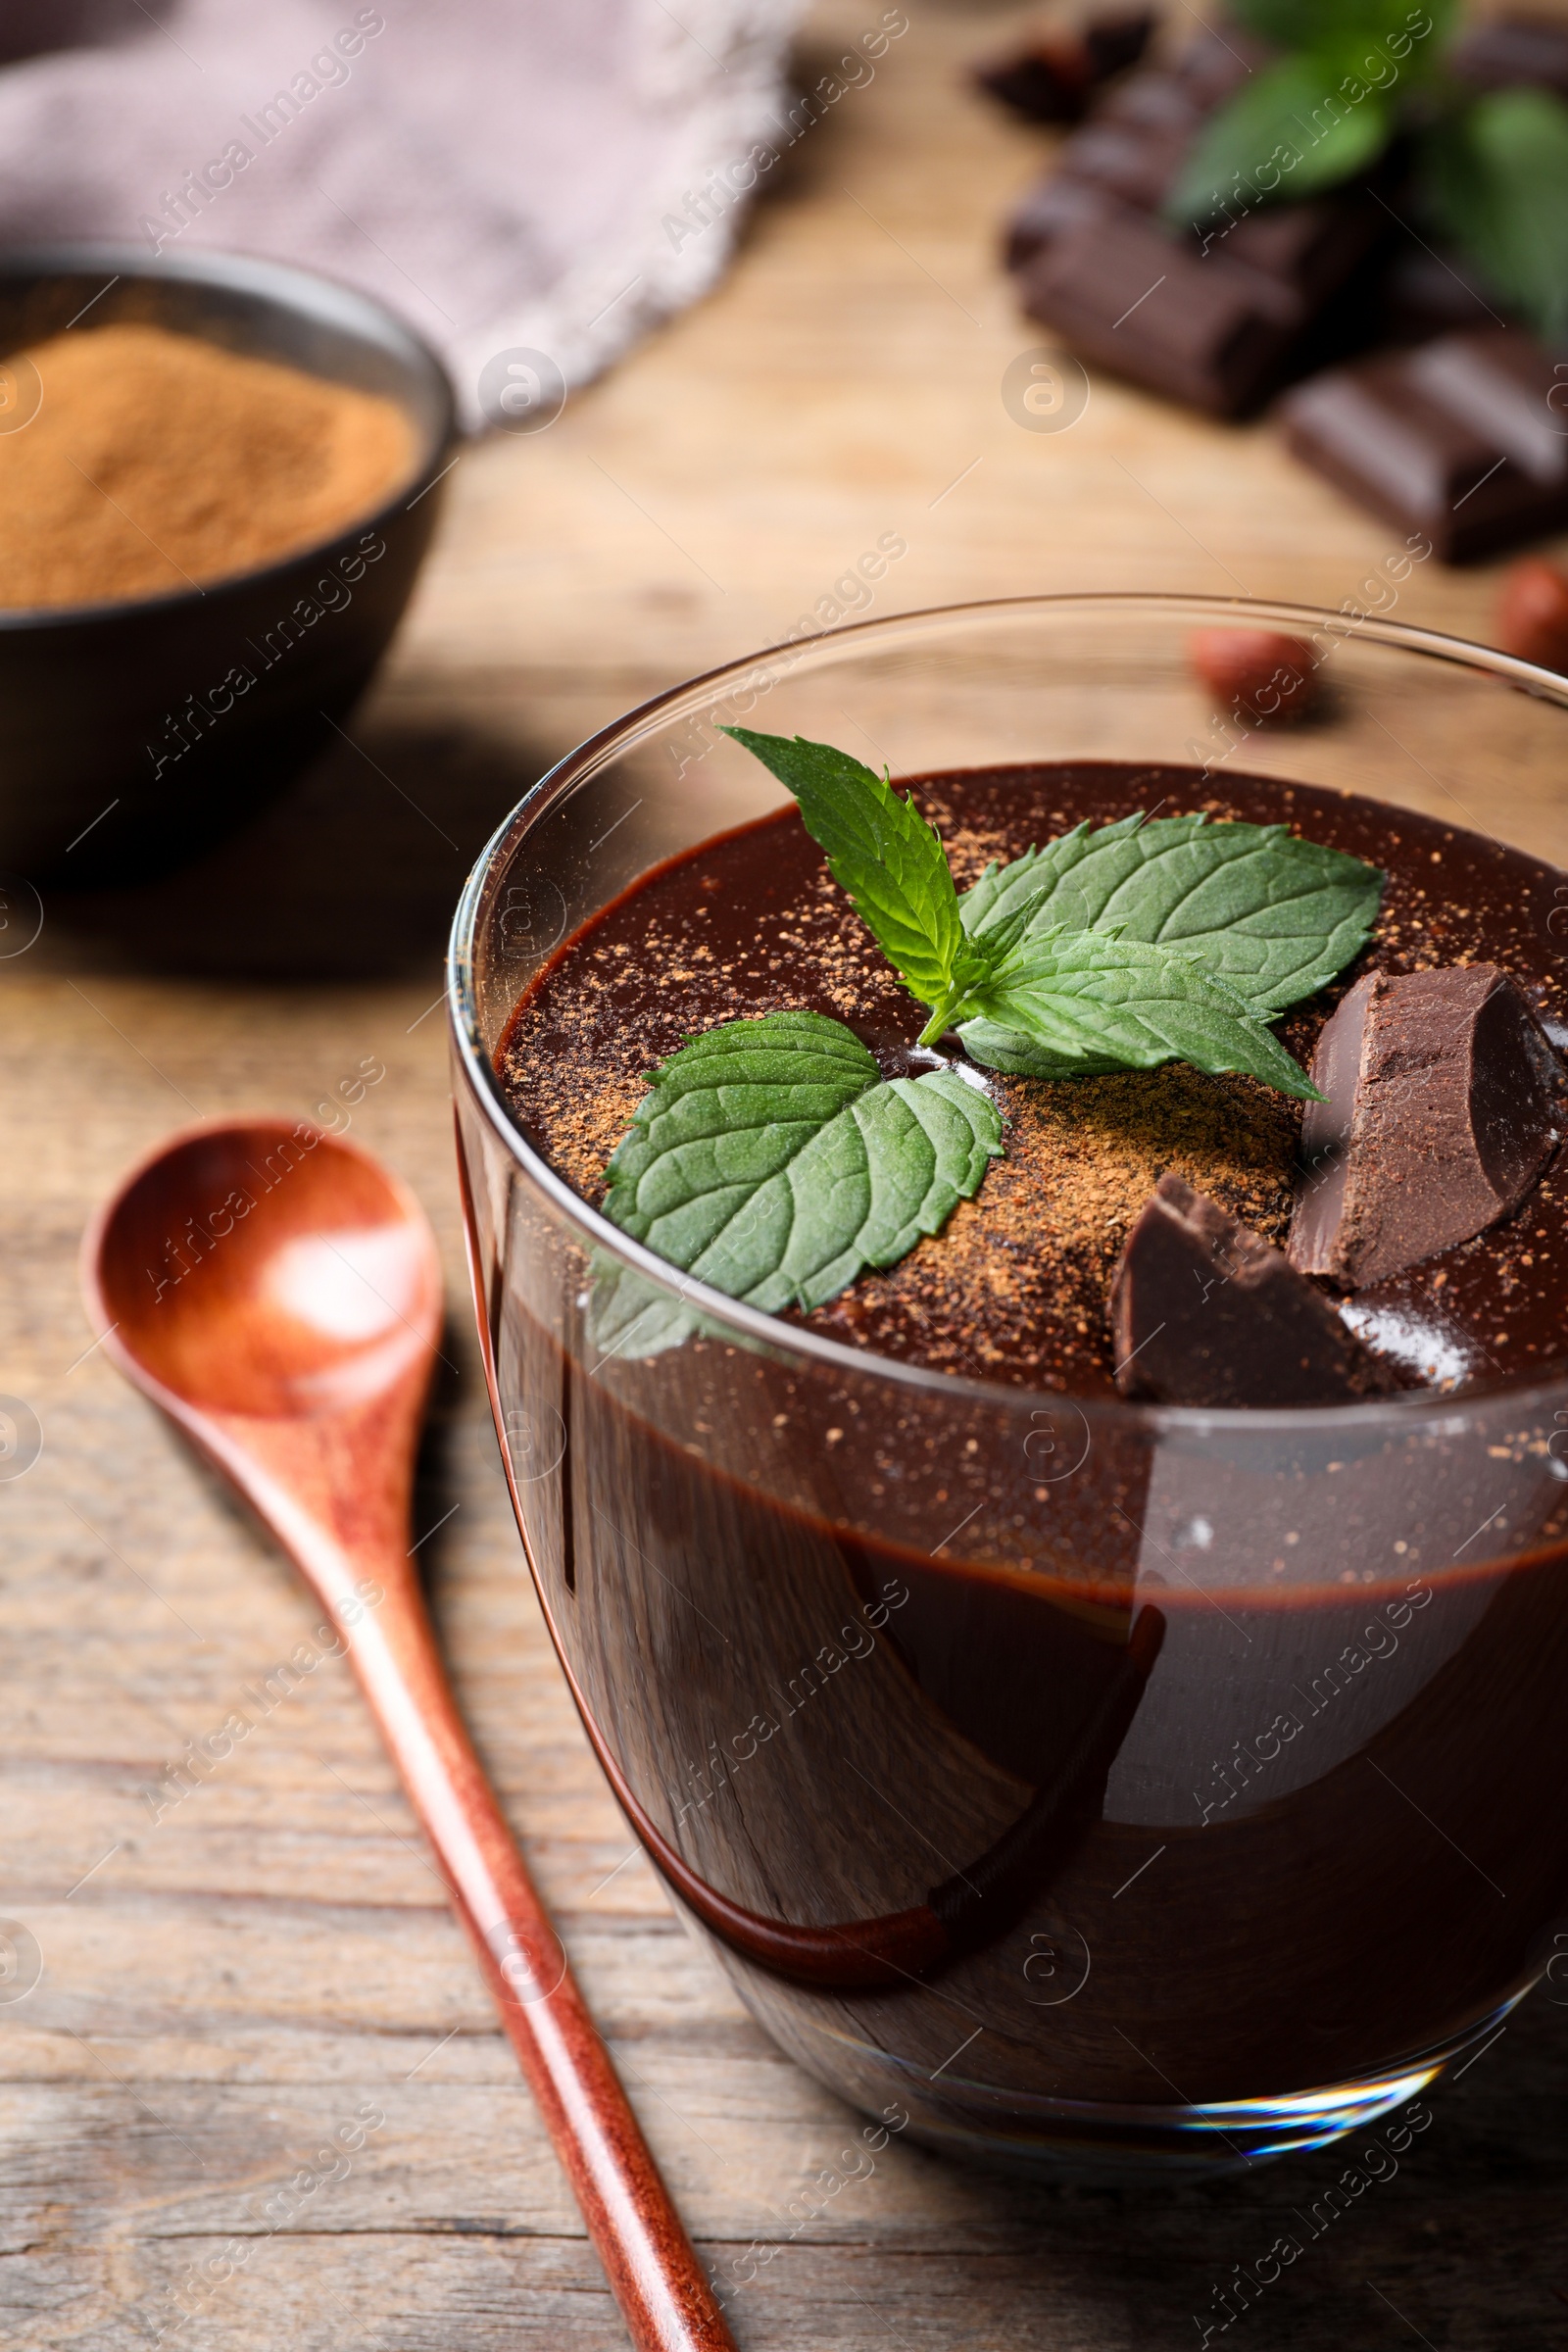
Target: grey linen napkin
<point>547,175</point>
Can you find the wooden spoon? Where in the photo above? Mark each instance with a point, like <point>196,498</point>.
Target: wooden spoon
<point>279,1295</point>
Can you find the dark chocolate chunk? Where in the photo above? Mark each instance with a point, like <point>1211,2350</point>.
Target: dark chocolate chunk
<point>1115,42</point>
<point>1130,153</point>
<point>1444,1103</point>
<point>1046,211</point>
<point>1056,76</point>
<point>1204,1311</point>
<point>1214,316</point>
<point>1313,248</point>
<point>1216,328</point>
<point>1126,293</point>
<point>1135,148</point>
<point>1455,440</point>
<point>1514,52</point>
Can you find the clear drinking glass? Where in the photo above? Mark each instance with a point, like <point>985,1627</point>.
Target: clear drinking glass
<point>1097,1784</point>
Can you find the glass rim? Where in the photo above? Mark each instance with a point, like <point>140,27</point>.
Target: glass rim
<point>1409,1409</point>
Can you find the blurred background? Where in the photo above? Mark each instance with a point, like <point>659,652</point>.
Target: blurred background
<point>694,390</point>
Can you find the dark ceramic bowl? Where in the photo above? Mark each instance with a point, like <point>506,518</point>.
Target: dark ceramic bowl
<point>136,733</point>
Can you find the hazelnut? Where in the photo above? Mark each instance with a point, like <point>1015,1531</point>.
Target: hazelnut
<point>1258,674</point>
<point>1532,612</point>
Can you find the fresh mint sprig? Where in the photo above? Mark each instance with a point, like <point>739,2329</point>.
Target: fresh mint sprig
<point>771,1160</point>
<point>1216,927</point>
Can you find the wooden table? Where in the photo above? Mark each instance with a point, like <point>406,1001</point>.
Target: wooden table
<point>225,1985</point>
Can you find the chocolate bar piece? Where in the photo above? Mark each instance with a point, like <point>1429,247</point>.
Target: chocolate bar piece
<point>1444,1103</point>
<point>1046,211</point>
<point>1125,293</point>
<point>1215,316</point>
<point>1514,52</point>
<point>1217,329</point>
<point>1054,76</point>
<point>1455,440</point>
<point>1205,1312</point>
<point>1133,149</point>
<point>1137,143</point>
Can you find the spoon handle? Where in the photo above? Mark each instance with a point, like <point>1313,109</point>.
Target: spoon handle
<point>665,2297</point>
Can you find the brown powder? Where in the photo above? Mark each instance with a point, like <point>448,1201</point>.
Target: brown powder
<point>155,462</point>
<point>1036,1250</point>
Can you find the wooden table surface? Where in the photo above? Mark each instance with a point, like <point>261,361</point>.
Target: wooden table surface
<point>224,1986</point>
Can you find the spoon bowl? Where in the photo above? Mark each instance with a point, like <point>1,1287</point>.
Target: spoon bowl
<point>268,1270</point>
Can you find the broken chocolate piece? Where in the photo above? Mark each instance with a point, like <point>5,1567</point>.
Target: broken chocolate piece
<point>1205,1312</point>
<point>1213,61</point>
<point>1217,328</point>
<point>1456,439</point>
<point>1052,206</point>
<point>1124,292</point>
<point>1053,78</point>
<point>1214,316</point>
<point>1130,153</point>
<point>1444,1103</point>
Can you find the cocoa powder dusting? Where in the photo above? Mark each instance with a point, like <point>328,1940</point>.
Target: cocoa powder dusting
<point>1034,1250</point>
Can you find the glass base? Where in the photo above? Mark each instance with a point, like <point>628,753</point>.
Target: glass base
<point>1089,2139</point>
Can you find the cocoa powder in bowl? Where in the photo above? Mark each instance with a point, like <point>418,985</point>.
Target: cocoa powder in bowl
<point>158,461</point>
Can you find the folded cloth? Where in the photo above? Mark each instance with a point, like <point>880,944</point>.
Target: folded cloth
<point>549,175</point>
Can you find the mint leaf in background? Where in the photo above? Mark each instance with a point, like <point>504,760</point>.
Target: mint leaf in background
<point>1274,916</point>
<point>772,1160</point>
<point>1072,1003</point>
<point>880,850</point>
<point>1347,25</point>
<point>1294,119</point>
<point>1497,175</point>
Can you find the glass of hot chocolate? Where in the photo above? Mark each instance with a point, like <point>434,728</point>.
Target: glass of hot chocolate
<point>1103,1712</point>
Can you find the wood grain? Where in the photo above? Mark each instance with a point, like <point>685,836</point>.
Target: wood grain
<point>232,1982</point>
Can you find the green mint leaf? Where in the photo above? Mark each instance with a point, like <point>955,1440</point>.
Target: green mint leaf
<point>1358,27</point>
<point>1295,127</point>
<point>1071,1003</point>
<point>880,851</point>
<point>1275,917</point>
<point>1497,174</point>
<point>772,1160</point>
